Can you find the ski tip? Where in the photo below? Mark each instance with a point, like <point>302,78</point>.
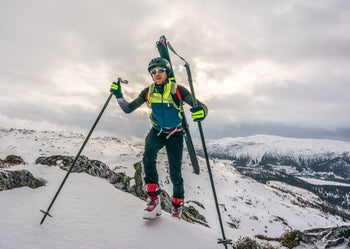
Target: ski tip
<point>163,40</point>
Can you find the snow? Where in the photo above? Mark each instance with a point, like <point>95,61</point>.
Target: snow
<point>323,182</point>
<point>91,213</point>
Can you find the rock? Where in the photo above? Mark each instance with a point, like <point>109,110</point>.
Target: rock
<point>137,187</point>
<point>91,167</point>
<point>248,243</point>
<point>192,215</point>
<point>11,160</point>
<point>331,237</point>
<point>15,179</point>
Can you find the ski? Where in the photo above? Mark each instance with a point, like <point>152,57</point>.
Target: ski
<point>164,53</point>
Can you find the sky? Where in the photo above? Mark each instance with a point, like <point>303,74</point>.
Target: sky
<point>261,67</point>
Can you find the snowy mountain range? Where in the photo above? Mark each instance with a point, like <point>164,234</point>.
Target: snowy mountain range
<point>297,162</point>
<point>93,213</point>
<point>314,158</point>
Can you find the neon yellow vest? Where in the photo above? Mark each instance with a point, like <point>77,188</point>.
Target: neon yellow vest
<point>165,112</point>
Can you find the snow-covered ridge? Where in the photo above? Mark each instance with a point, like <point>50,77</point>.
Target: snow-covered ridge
<point>329,158</point>
<point>89,205</point>
<point>258,145</point>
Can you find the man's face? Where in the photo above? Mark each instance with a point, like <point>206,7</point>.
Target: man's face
<point>159,78</point>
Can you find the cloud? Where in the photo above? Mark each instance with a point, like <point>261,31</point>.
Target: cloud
<point>283,64</point>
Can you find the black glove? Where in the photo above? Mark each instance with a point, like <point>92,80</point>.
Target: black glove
<point>116,90</point>
<point>198,113</point>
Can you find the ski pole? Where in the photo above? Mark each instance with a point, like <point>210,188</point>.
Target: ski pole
<point>223,241</point>
<point>46,213</point>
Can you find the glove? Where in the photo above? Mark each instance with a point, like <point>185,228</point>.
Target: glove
<point>116,90</point>
<point>198,113</point>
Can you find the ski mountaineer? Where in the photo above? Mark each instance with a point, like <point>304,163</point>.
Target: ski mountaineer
<point>165,99</point>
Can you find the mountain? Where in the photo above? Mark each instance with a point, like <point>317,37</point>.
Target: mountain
<point>93,212</point>
<point>292,161</point>
<point>314,158</point>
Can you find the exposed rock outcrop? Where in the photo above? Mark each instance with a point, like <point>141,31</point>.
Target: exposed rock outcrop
<point>15,179</point>
<point>326,237</point>
<point>320,238</point>
<point>10,179</point>
<point>91,167</point>
<point>11,160</point>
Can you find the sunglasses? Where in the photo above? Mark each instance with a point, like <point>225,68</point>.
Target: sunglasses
<point>159,70</point>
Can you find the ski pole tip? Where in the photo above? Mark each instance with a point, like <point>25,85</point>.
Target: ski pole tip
<point>45,214</point>
<point>225,241</point>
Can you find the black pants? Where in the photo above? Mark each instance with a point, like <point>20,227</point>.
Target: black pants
<point>174,147</point>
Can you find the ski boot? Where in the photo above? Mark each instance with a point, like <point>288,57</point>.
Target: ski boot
<point>177,207</point>
<point>153,208</point>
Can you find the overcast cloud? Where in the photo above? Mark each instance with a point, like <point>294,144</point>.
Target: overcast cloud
<point>262,67</point>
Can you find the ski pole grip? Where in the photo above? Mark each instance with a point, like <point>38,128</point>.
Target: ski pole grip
<point>120,80</point>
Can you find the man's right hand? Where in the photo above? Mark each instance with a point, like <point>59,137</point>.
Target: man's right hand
<point>116,90</point>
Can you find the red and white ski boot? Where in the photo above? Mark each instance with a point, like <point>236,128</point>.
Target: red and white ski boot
<point>153,208</point>
<point>177,207</point>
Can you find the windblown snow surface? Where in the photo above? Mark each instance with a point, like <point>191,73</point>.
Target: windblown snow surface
<point>91,213</point>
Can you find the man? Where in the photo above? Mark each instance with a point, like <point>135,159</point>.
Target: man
<point>165,98</point>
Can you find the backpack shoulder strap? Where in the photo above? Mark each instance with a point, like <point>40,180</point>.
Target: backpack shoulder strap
<point>177,98</point>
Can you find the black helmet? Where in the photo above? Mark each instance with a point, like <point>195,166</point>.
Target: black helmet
<point>159,62</point>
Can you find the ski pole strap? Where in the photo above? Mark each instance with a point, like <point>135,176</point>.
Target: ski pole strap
<point>172,49</point>
<point>187,66</point>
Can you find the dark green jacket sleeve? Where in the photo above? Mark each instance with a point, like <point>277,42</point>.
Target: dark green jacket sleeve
<point>187,98</point>
<point>136,103</point>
